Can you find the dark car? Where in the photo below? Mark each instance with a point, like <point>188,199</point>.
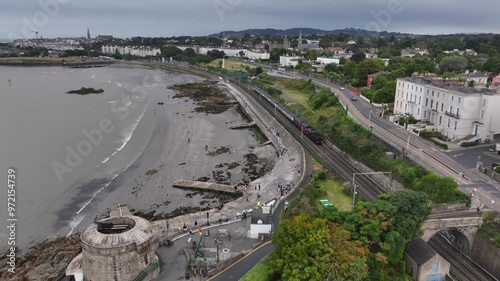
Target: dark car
<point>444,138</point>
<point>354,98</point>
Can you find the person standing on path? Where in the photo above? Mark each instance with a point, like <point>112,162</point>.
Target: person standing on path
<point>259,186</point>
<point>208,214</point>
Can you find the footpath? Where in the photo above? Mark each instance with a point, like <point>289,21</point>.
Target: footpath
<point>289,170</point>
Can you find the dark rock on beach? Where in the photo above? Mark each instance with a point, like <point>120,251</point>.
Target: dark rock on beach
<point>86,91</point>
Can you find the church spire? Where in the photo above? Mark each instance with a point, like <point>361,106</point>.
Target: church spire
<point>88,33</point>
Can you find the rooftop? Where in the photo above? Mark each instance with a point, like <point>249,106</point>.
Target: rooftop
<point>138,231</point>
<point>420,251</point>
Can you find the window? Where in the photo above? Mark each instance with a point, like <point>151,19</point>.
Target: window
<point>452,98</point>
<point>432,93</point>
<point>432,103</point>
<point>421,89</point>
<point>440,120</point>
<point>455,125</point>
<point>437,105</point>
<point>425,114</point>
<point>448,123</point>
<point>418,111</point>
<point>406,96</point>
<point>482,114</point>
<point>484,101</point>
<point>438,94</point>
<point>411,97</point>
<point>459,99</point>
<point>412,87</point>
<point>451,109</point>
<point>146,259</point>
<point>426,102</point>
<point>435,267</point>
<point>419,100</point>
<point>458,111</point>
<point>442,107</point>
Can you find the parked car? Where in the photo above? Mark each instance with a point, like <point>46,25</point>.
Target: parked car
<point>342,88</point>
<point>444,138</point>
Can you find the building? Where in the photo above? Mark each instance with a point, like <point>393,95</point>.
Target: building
<point>104,37</point>
<point>468,52</point>
<point>121,247</point>
<point>261,221</point>
<point>138,51</point>
<point>423,263</point>
<point>371,77</point>
<point>480,79</point>
<point>322,60</point>
<point>495,83</point>
<point>455,109</point>
<point>88,34</point>
<point>409,53</point>
<point>351,42</point>
<point>289,61</point>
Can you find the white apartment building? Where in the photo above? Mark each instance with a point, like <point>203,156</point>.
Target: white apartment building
<point>322,60</point>
<point>140,51</point>
<point>230,52</point>
<point>289,61</point>
<point>455,109</point>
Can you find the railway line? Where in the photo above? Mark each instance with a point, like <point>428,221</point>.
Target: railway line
<point>327,154</point>
<point>462,268</point>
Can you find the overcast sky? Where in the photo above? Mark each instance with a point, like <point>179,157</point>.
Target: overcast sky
<point>126,18</point>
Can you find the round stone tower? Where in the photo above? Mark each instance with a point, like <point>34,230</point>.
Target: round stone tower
<point>120,248</point>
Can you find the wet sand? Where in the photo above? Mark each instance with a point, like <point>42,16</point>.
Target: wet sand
<point>177,151</point>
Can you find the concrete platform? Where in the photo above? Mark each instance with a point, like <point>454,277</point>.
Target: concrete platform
<point>243,126</point>
<point>199,185</point>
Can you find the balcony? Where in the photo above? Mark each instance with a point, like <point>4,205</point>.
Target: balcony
<point>457,116</point>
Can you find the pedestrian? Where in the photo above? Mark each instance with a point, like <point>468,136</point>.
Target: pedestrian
<point>208,214</point>
<point>255,187</point>
<point>195,222</point>
<point>259,186</point>
<point>189,140</point>
<point>235,188</point>
<point>247,199</point>
<point>229,237</point>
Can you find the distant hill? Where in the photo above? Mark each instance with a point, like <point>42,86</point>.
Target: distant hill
<point>308,31</point>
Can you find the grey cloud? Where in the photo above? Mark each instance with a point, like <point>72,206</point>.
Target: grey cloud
<point>199,17</point>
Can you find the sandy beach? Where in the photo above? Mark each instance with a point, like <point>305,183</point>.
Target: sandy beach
<point>179,148</point>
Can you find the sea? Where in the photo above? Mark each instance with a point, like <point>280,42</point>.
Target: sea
<point>58,143</point>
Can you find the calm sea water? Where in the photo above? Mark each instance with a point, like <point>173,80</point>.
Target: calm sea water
<point>58,142</point>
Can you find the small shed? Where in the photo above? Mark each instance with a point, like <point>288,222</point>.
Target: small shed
<point>423,263</point>
<point>261,221</point>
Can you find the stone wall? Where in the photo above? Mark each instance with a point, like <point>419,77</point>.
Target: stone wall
<point>467,226</point>
<point>118,263</point>
<point>486,254</point>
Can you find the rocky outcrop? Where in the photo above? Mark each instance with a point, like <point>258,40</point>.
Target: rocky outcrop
<point>46,261</point>
<point>86,91</point>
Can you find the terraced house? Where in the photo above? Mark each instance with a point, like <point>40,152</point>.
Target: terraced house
<point>452,107</point>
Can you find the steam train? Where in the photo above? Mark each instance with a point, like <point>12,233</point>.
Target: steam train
<point>302,126</point>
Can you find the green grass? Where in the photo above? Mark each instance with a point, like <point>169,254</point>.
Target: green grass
<point>336,195</point>
<point>259,272</point>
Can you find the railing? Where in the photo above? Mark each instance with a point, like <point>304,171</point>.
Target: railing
<point>457,116</point>
<point>147,270</point>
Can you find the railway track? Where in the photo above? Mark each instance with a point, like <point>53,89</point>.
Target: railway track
<point>326,153</point>
<point>455,214</point>
<point>462,268</point>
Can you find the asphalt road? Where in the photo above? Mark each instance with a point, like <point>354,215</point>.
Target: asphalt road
<point>244,265</point>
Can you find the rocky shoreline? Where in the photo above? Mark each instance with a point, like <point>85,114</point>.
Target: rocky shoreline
<point>46,261</point>
<point>210,99</point>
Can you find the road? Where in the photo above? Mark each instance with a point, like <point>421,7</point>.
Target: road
<point>424,152</point>
<point>237,270</point>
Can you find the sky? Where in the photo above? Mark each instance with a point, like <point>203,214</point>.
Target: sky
<point>165,18</point>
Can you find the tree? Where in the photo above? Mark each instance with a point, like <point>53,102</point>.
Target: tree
<point>453,63</point>
<point>313,249</point>
<point>170,51</point>
<point>367,67</point>
<point>358,57</point>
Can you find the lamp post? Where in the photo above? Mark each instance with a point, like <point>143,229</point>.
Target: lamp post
<point>367,173</point>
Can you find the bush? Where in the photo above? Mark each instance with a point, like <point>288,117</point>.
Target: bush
<point>320,176</point>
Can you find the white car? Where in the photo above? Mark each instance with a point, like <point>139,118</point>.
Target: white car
<point>342,88</point>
